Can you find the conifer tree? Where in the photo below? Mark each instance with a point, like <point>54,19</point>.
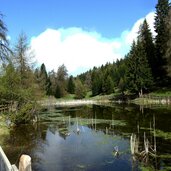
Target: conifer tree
<point>4,44</point>
<point>61,86</point>
<point>97,82</point>
<point>162,11</point>
<point>139,75</point>
<point>44,80</point>
<point>168,45</point>
<point>71,85</point>
<point>145,37</point>
<point>80,90</point>
<point>52,82</point>
<point>109,86</point>
<point>23,59</point>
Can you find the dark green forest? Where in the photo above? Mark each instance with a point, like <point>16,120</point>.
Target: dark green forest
<point>146,68</point>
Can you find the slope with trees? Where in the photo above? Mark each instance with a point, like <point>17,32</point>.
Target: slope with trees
<point>144,69</point>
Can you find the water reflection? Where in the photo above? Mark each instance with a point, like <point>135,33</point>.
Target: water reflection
<point>93,137</point>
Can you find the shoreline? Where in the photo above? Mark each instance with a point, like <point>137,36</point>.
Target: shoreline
<point>55,102</point>
<point>147,100</point>
<point>151,101</point>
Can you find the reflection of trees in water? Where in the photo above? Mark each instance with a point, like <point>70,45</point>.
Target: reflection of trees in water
<point>31,139</point>
<point>133,115</point>
<point>23,140</point>
<point>147,148</point>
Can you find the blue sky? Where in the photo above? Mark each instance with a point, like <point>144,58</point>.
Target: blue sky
<point>102,23</point>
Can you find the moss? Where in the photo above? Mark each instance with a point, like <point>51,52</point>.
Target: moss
<point>162,134</point>
<point>165,156</point>
<point>148,168</point>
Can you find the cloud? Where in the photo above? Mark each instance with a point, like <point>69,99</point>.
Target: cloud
<point>74,47</point>
<point>133,33</point>
<point>79,49</point>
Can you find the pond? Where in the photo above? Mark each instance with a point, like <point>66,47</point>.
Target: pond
<point>94,137</point>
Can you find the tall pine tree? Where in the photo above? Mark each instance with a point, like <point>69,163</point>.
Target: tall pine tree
<point>4,45</point>
<point>162,11</point>
<point>44,80</point>
<point>139,75</point>
<point>71,85</point>
<point>145,37</point>
<point>168,46</point>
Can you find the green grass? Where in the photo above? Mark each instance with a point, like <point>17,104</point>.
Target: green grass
<point>104,97</point>
<point>88,95</point>
<point>67,97</point>
<point>159,96</point>
<point>162,92</point>
<point>4,131</point>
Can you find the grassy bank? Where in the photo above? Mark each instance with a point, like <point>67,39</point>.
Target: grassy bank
<point>162,96</point>
<point>162,92</point>
<point>4,130</point>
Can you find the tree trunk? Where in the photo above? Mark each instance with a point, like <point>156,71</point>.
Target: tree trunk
<point>141,93</point>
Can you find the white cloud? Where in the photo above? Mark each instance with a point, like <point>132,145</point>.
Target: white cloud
<point>132,35</point>
<point>74,47</point>
<point>81,50</point>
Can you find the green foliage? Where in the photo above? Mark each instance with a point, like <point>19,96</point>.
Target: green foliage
<point>52,80</point>
<point>143,66</point>
<point>44,82</point>
<point>122,85</point>
<point>61,82</point>
<point>4,45</point>
<point>168,45</point>
<point>80,91</point>
<point>145,37</point>
<point>71,85</point>
<point>162,11</point>
<point>25,114</point>
<point>97,81</point>
<point>9,84</point>
<point>108,85</point>
<point>59,91</point>
<point>138,71</point>
<point>18,87</point>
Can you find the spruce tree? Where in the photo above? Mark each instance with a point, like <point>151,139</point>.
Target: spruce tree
<point>145,37</point>
<point>162,11</point>
<point>109,85</point>
<point>71,85</point>
<point>43,78</point>
<point>97,81</point>
<point>4,45</point>
<point>168,46</point>
<point>138,73</point>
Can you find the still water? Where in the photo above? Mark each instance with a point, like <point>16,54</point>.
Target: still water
<point>94,138</point>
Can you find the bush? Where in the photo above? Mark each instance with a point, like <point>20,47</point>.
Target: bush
<point>25,114</point>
